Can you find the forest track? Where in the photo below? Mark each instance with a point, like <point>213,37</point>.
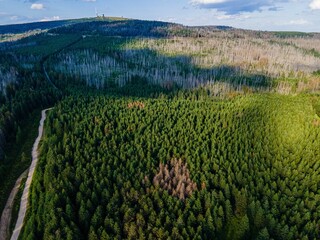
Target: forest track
<point>45,58</point>
<point>7,211</point>
<point>25,195</point>
<point>48,78</point>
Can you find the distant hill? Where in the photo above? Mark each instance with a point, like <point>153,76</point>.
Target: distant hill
<point>25,27</point>
<point>47,25</point>
<point>111,26</point>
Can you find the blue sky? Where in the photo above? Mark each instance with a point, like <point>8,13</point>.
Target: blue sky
<point>291,15</point>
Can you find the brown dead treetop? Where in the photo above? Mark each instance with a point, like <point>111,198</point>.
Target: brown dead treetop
<point>175,178</point>
<point>136,104</point>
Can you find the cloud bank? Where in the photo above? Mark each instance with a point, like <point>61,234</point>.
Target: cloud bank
<point>315,5</point>
<point>239,6</point>
<point>37,6</point>
<point>298,22</point>
<point>46,19</point>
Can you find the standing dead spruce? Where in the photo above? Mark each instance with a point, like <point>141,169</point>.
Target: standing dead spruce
<point>175,178</point>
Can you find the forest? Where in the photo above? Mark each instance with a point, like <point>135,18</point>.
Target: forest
<point>164,131</point>
<point>229,60</point>
<point>256,173</point>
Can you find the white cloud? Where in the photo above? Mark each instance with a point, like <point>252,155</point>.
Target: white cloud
<point>298,22</point>
<point>234,7</point>
<point>37,6</point>
<point>46,19</point>
<point>13,18</point>
<point>232,17</point>
<point>315,5</point>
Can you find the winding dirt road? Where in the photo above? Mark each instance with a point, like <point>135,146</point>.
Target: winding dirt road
<point>7,211</point>
<point>25,195</point>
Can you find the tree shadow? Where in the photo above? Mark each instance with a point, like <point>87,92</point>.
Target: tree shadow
<point>113,38</point>
<point>149,69</point>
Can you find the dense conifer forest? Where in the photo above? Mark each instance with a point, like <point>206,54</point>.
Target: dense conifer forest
<point>256,173</point>
<point>163,131</point>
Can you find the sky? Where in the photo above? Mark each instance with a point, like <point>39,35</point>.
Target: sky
<point>270,15</point>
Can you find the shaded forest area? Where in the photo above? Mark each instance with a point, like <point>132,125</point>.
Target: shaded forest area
<point>221,61</point>
<point>166,131</point>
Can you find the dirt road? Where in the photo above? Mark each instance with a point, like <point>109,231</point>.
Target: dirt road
<point>25,195</point>
<point>7,211</point>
